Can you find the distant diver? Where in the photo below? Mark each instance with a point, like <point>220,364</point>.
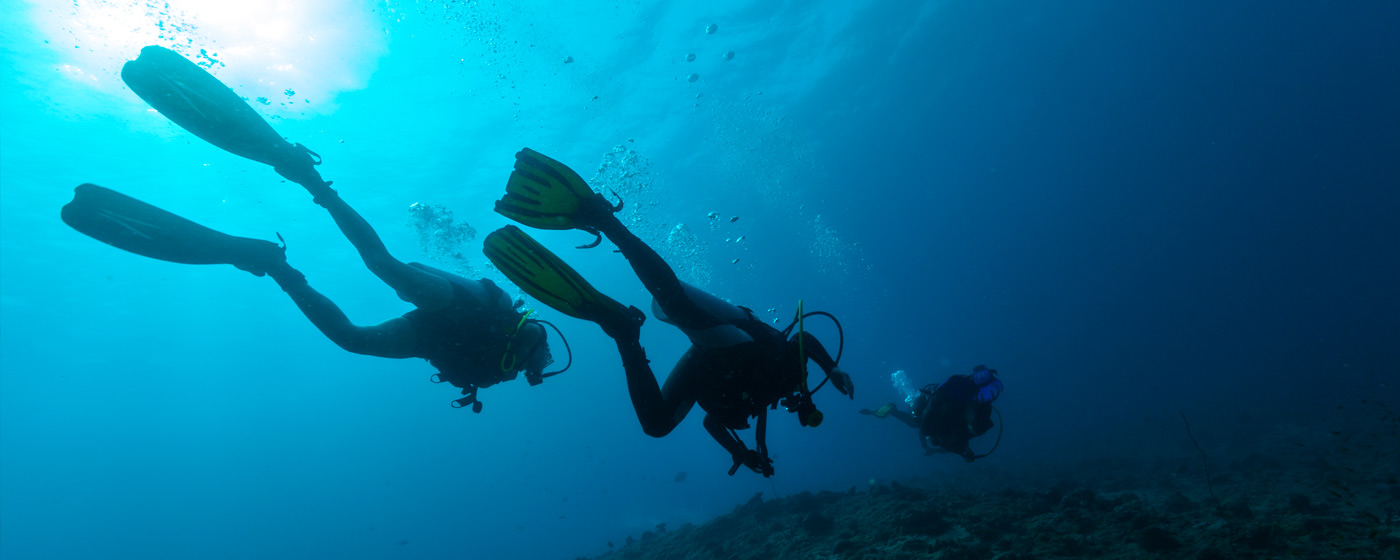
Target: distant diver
<point>737,367</point>
<point>949,414</point>
<point>470,330</point>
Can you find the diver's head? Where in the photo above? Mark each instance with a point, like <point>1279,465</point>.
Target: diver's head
<point>982,376</point>
<point>534,347</point>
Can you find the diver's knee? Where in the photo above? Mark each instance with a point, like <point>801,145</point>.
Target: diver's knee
<point>354,340</point>
<point>381,263</point>
<point>657,430</point>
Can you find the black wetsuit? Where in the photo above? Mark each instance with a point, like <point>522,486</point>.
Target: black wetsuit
<point>465,340</point>
<point>737,367</point>
<point>952,414</point>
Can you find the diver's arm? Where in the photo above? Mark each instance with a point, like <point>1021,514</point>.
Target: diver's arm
<point>721,434</point>
<point>741,455</point>
<point>817,353</point>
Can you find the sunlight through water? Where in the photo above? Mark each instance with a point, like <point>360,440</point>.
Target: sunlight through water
<point>282,55</point>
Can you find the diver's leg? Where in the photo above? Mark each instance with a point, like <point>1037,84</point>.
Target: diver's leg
<point>392,339</point>
<point>937,417</point>
<point>419,287</point>
<point>905,417</point>
<point>658,409</point>
<point>655,274</point>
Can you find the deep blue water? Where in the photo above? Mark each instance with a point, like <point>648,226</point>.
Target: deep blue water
<point>1130,210</point>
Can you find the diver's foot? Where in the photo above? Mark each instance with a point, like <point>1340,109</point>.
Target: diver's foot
<point>595,214</point>
<point>624,324</point>
<point>259,257</point>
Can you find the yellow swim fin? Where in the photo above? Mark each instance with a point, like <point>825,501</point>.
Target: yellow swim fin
<point>546,277</point>
<point>543,193</point>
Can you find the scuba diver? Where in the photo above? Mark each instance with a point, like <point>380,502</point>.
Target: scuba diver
<point>951,413</point>
<point>470,330</point>
<point>737,367</point>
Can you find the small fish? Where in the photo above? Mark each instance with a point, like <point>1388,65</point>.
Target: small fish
<point>1333,492</point>
<point>1300,445</point>
<point>1336,433</point>
<point>1371,516</point>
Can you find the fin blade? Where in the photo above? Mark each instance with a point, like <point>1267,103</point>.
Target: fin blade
<point>545,276</point>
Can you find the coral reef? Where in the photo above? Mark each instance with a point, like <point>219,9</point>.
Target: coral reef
<point>1149,506</point>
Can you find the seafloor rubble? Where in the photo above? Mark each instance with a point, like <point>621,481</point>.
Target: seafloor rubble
<point>1295,493</point>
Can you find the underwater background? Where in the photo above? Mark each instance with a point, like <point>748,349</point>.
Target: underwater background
<point>1138,212</point>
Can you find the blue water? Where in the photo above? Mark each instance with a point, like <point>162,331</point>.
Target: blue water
<point>1130,209</point>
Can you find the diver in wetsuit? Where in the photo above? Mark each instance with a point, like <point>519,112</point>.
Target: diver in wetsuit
<point>737,367</point>
<point>949,414</point>
<point>469,329</point>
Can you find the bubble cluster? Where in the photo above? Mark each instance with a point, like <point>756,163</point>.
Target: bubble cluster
<point>836,258</point>
<point>627,174</point>
<point>440,236</point>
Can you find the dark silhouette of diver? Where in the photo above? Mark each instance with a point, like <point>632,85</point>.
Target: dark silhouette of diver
<point>949,414</point>
<point>738,367</point>
<point>470,330</point>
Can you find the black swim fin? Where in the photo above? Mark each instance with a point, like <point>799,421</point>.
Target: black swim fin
<point>201,104</point>
<point>136,227</point>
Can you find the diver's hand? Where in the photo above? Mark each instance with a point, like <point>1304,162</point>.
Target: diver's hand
<point>842,381</point>
<point>754,461</point>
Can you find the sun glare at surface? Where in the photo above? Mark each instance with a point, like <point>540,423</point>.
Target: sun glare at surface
<point>260,48</point>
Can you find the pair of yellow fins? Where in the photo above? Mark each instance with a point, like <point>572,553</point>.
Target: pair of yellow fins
<point>545,194</point>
